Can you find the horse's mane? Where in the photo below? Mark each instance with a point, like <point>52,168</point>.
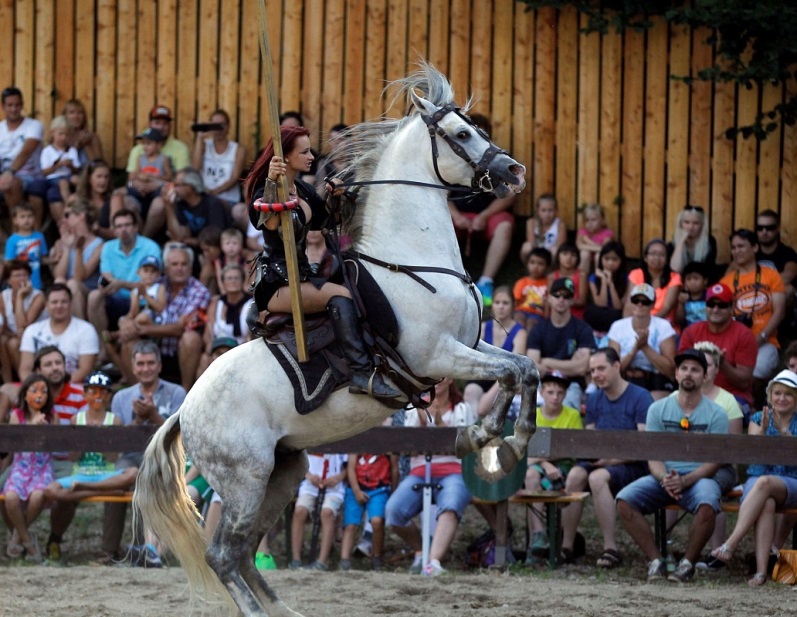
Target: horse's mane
<point>365,143</point>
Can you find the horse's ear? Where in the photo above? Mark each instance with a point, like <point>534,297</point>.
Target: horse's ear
<point>421,104</point>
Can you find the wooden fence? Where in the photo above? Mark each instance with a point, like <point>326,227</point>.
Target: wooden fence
<point>595,118</point>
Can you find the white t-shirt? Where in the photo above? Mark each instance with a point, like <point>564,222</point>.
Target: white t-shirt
<point>79,339</point>
<point>623,333</point>
<point>217,169</point>
<point>11,143</point>
<point>336,464</point>
<point>51,154</point>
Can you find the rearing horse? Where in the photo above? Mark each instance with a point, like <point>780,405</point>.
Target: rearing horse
<point>239,422</point>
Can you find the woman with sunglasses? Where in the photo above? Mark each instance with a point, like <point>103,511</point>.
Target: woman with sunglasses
<point>645,344</point>
<point>656,272</point>
<point>692,241</point>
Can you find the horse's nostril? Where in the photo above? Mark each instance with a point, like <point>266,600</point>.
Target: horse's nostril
<point>517,170</point>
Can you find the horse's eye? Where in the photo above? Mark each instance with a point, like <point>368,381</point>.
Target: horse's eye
<point>463,135</point>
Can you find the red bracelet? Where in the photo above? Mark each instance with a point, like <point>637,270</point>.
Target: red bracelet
<point>262,206</point>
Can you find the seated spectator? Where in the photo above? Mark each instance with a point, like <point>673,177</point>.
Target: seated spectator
<point>645,344</point>
<point>448,488</point>
<point>562,342</point>
<point>94,188</point>
<point>592,237</point>
<point>567,266</point>
<point>20,147</point>
<point>20,305</point>
<point>152,173</point>
<point>692,242</point>
<point>27,244</point>
<point>608,286</point>
<point>81,137</point>
<point>544,474</point>
<point>759,302</point>
<point>221,162</point>
<point>736,343</point>
<point>503,330</point>
<point>691,306</point>
<point>531,292</point>
<point>767,486</point>
<point>75,337</point>
<point>772,251</point>
<point>696,487</point>
<point>76,254</point>
<point>59,163</point>
<point>790,357</point>
<point>181,323</point>
<point>232,253</point>
<point>615,405</point>
<point>209,240</point>
<point>655,271</point>
<point>328,472</point>
<point>545,229</point>
<point>94,472</point>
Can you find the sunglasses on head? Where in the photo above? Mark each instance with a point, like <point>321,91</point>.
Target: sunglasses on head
<point>766,227</point>
<point>694,209</point>
<point>641,300</point>
<point>722,305</point>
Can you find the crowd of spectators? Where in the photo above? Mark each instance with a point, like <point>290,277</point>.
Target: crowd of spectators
<point>148,282</point>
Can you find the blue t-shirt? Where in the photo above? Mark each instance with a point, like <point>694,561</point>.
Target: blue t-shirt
<point>665,415</point>
<point>622,414</point>
<point>30,248</point>
<point>561,343</point>
<point>695,310</point>
<point>125,267</point>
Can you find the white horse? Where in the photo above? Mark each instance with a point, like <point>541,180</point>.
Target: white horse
<point>239,422</point>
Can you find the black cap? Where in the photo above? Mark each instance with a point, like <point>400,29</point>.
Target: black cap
<point>151,134</point>
<point>692,354</point>
<point>98,379</point>
<point>563,284</point>
<point>556,376</point>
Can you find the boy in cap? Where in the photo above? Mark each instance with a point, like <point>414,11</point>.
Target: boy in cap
<point>148,298</point>
<point>691,306</point>
<point>152,170</point>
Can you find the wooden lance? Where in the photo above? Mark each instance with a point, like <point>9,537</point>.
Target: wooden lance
<point>286,222</point>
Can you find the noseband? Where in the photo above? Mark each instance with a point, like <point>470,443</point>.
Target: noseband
<point>483,180</point>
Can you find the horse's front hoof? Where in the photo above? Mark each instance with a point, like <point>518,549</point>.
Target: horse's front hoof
<point>464,444</point>
<point>508,456</point>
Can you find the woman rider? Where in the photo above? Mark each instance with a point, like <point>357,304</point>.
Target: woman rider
<point>309,213</point>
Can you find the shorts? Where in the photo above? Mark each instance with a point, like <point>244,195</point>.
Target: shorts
<point>116,306</point>
<point>766,362</point>
<point>53,192</point>
<point>332,501</point>
<point>406,501</point>
<point>374,507</point>
<point>32,185</point>
<point>145,199</point>
<point>791,490</point>
<point>547,484</point>
<point>202,487</point>
<point>620,476</point>
<point>68,481</point>
<point>492,222</point>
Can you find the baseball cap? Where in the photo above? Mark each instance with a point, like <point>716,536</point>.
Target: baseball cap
<point>160,112</point>
<point>721,292</point>
<point>556,376</point>
<point>223,341</point>
<point>151,134</point>
<point>563,284</point>
<point>150,260</point>
<point>97,379</point>
<point>643,289</point>
<point>692,354</point>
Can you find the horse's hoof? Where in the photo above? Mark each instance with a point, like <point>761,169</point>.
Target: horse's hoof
<point>464,444</point>
<point>508,457</point>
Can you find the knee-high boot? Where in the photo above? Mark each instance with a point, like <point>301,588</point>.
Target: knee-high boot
<point>347,331</point>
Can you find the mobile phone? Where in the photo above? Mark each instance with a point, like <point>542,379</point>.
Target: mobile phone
<point>206,127</point>
<point>103,282</point>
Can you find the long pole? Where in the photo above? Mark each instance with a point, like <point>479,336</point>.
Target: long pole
<point>286,222</point>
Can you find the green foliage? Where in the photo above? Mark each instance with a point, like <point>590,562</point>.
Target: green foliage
<point>755,42</point>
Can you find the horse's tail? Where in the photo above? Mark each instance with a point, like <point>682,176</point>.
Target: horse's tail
<point>165,508</point>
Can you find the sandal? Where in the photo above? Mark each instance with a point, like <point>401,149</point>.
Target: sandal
<point>724,553</point>
<point>32,552</point>
<point>760,578</point>
<point>14,550</point>
<point>610,559</point>
<point>567,555</point>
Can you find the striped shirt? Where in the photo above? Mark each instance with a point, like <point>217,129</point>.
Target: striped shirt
<point>68,402</point>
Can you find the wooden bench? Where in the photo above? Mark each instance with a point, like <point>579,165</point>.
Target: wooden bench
<point>126,498</point>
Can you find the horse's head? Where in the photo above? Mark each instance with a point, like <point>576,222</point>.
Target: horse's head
<point>471,158</point>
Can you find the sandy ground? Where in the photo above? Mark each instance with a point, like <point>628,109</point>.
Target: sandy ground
<point>86,591</point>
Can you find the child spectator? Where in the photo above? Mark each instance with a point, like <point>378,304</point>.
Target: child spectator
<point>530,291</point>
<point>209,240</point>
<point>591,238</point>
<point>153,169</point>
<point>148,297</point>
<point>567,259</point>
<point>59,161</point>
<point>326,472</point>
<point>545,229</point>
<point>26,244</point>
<point>232,252</point>
<point>691,306</point>
<point>31,472</point>
<point>371,479</point>
<point>608,286</point>
<point>20,306</point>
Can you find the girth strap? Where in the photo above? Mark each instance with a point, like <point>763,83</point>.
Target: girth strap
<point>411,270</point>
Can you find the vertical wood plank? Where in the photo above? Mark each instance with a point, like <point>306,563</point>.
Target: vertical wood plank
<point>545,27</point>
<point>117,148</point>
<point>375,39</point>
<point>332,97</point>
<point>677,128</point>
<point>106,73</point>
<point>722,170</point>
<point>481,47</point>
<point>7,42</point>
<point>610,122</point>
<point>655,130</point>
<point>631,211</point>
<point>187,44</point>
<point>788,186</point>
<point>588,121</point>
<point>460,34</point>
<point>439,34</point>
<point>24,53</point>
<point>700,134</point>
<point>312,68</point>
<point>229,60</point>
<point>397,56</point>
<point>354,72</point>
<point>166,69</point>
<point>418,33</point>
<point>523,105</point>
<point>568,42</point>
<point>146,95</point>
<point>769,165</point>
<point>291,58</point>
<point>501,90</point>
<point>207,83</point>
<point>42,101</point>
<point>250,134</point>
<point>746,160</point>
<point>64,52</point>
<point>84,54</point>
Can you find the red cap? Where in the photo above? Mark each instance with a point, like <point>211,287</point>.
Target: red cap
<point>160,112</point>
<point>721,292</point>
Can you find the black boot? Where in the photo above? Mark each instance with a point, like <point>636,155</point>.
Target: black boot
<point>364,380</point>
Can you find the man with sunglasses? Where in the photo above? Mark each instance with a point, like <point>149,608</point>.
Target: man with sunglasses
<point>773,252</point>
<point>735,340</point>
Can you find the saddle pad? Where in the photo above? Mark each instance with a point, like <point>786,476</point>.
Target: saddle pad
<point>313,381</point>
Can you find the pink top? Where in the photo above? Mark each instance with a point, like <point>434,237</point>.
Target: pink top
<point>601,237</point>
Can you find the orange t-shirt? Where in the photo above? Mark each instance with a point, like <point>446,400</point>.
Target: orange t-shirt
<point>754,299</point>
<point>530,295</point>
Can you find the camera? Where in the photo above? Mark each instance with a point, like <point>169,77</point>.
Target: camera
<point>206,127</point>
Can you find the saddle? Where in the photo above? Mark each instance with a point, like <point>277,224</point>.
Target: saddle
<point>326,370</point>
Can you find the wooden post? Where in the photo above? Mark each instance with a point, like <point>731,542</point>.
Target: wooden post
<point>282,191</point>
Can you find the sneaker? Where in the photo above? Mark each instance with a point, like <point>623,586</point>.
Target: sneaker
<point>417,565</point>
<point>295,565</point>
<point>486,289</point>
<point>376,564</point>
<point>364,548</point>
<point>317,565</point>
<point>150,557</point>
<point>657,570</point>
<point>265,561</point>
<point>539,544</point>
<point>433,568</point>
<point>53,551</point>
<point>683,573</point>
<point>345,565</point>
<point>710,564</point>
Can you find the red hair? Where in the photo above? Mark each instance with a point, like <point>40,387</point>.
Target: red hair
<point>257,176</point>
